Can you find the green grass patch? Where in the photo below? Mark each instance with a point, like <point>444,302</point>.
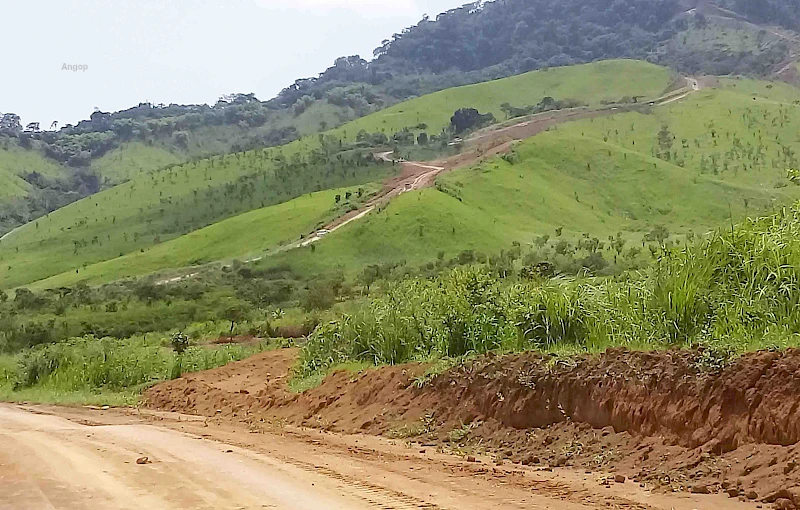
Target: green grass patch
<point>129,160</point>
<point>245,236</point>
<point>732,293</point>
<point>104,371</point>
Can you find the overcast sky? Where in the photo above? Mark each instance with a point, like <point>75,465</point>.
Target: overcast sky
<point>179,51</point>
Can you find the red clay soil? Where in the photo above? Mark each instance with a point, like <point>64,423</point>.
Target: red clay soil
<point>658,418</point>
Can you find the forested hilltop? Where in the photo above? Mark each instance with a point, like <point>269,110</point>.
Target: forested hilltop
<point>785,13</point>
<point>43,168</point>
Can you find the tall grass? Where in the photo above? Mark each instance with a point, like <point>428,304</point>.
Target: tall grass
<point>736,291</point>
<point>89,365</point>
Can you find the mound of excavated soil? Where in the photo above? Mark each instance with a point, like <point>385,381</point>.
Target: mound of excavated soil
<point>657,417</point>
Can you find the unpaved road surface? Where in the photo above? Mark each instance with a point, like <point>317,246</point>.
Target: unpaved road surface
<point>487,143</point>
<point>49,462</point>
<point>56,458</point>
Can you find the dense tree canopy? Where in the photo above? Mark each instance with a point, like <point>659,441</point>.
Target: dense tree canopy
<point>528,34</point>
<point>781,12</point>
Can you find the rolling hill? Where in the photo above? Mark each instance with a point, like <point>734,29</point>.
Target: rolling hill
<point>157,206</point>
<point>597,177</point>
<point>471,44</point>
<point>623,174</point>
<point>17,163</point>
<point>250,234</point>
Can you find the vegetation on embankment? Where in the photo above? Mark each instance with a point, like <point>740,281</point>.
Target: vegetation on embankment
<point>105,371</point>
<point>734,292</point>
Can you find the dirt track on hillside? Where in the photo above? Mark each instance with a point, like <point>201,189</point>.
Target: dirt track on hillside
<point>655,418</point>
<point>485,144</point>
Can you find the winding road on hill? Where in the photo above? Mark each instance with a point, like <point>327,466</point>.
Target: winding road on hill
<point>483,144</point>
<point>91,459</point>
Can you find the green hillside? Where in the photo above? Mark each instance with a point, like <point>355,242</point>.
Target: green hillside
<point>15,163</point>
<point>158,206</point>
<point>610,80</point>
<point>132,158</point>
<point>598,177</point>
<point>129,160</point>
<point>249,234</point>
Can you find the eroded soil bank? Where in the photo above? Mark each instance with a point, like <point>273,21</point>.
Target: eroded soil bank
<point>665,419</point>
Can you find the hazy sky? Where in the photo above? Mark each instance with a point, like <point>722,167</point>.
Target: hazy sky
<point>179,51</point>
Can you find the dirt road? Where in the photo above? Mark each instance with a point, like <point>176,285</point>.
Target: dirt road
<point>49,462</point>
<point>53,458</point>
<point>481,145</point>
<point>487,143</point>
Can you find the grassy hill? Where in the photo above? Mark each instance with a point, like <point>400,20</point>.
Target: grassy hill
<point>609,80</point>
<point>131,159</point>
<point>249,234</point>
<point>158,206</point>
<point>16,163</point>
<point>598,177</point>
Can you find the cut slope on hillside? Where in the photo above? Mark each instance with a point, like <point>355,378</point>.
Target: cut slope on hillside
<point>660,418</point>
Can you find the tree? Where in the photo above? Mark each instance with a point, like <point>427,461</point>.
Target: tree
<point>27,300</point>
<point>235,313</point>
<point>320,296</point>
<point>179,343</point>
<point>10,123</point>
<point>368,276</point>
<point>469,118</point>
<point>659,234</point>
<point>147,292</point>
<point>665,141</point>
<point>618,243</point>
<point>422,139</point>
